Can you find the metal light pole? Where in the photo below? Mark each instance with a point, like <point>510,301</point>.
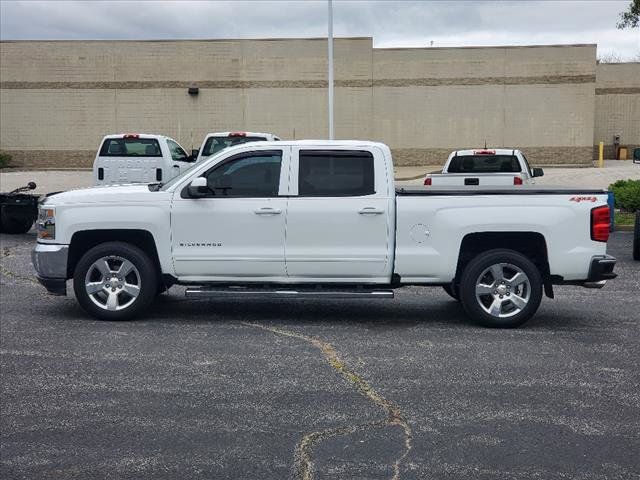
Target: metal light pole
<point>330,55</point>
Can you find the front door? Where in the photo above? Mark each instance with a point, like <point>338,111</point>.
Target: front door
<point>339,216</point>
<point>237,232</point>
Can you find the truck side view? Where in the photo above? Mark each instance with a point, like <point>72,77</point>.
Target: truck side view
<point>298,219</point>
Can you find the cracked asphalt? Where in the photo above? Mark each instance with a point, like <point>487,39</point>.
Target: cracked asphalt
<point>350,389</point>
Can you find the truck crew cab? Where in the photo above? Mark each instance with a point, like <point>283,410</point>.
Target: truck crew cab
<point>299,219</point>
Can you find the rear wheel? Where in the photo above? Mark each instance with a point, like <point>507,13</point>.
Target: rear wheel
<point>115,281</point>
<point>501,288</point>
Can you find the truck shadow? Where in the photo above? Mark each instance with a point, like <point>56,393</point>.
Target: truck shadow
<point>437,310</point>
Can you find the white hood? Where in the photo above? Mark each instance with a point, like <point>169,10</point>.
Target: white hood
<point>123,194</point>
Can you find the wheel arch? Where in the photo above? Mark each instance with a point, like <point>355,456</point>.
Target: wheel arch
<point>532,245</point>
<point>83,241</point>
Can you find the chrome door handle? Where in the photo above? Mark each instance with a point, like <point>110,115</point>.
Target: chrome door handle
<point>268,211</point>
<point>370,211</point>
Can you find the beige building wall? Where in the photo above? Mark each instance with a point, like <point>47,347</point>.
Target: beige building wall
<point>430,101</point>
<point>58,99</point>
<point>617,106</point>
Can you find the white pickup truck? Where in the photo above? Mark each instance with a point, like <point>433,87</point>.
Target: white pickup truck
<point>485,168</point>
<point>139,158</point>
<point>299,219</point>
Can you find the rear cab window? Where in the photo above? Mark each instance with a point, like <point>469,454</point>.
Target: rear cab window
<point>130,147</point>
<point>335,173</point>
<point>484,164</point>
<point>215,144</point>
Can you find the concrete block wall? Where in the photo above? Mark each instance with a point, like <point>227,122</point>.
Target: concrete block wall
<point>57,99</point>
<point>617,107</point>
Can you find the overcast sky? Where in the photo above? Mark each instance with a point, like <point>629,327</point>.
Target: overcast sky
<point>391,24</point>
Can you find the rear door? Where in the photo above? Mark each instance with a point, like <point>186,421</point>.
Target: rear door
<point>338,215</point>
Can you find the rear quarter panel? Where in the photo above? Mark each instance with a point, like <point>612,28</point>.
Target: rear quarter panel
<point>430,230</point>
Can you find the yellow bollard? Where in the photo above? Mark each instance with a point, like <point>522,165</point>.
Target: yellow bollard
<point>601,155</point>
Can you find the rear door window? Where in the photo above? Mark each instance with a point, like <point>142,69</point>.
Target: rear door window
<point>335,173</point>
<point>484,164</point>
<point>130,147</point>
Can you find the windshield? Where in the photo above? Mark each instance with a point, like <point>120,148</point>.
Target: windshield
<point>215,144</point>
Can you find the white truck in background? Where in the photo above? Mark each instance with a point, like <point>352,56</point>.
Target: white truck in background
<point>139,158</point>
<point>215,142</point>
<point>485,168</point>
<point>301,219</point>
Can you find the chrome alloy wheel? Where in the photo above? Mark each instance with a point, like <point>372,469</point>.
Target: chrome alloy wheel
<point>112,283</point>
<point>503,290</point>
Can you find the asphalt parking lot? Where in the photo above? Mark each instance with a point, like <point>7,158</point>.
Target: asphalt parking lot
<point>402,388</point>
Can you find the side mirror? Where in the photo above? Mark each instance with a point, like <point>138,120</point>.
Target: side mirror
<point>198,188</point>
<point>31,185</point>
<point>538,172</point>
<point>194,154</point>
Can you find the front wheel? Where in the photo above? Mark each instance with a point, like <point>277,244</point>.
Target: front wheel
<point>115,281</point>
<point>501,288</point>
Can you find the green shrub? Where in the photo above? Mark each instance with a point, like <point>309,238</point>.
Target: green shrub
<point>627,194</point>
<point>5,160</point>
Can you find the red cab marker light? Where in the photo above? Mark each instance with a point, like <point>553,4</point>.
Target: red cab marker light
<point>427,181</point>
<point>517,181</point>
<point>238,134</point>
<point>484,152</point>
<point>131,135</point>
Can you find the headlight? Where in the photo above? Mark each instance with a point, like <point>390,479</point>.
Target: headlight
<point>46,223</point>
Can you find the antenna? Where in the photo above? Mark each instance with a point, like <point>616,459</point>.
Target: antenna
<point>485,143</point>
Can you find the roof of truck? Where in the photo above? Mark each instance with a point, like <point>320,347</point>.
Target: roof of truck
<point>240,133</point>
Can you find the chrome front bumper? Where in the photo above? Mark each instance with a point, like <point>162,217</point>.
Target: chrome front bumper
<point>50,262</point>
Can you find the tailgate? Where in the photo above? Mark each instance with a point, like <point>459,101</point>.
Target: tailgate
<point>483,180</point>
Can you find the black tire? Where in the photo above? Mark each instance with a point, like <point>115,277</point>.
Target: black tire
<point>636,237</point>
<point>144,276</point>
<point>14,224</point>
<point>513,315</point>
<point>453,293</point>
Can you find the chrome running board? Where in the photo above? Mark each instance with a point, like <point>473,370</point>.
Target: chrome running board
<point>245,292</point>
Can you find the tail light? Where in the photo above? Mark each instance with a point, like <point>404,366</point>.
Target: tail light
<point>600,218</point>
<point>427,182</point>
<point>517,181</point>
